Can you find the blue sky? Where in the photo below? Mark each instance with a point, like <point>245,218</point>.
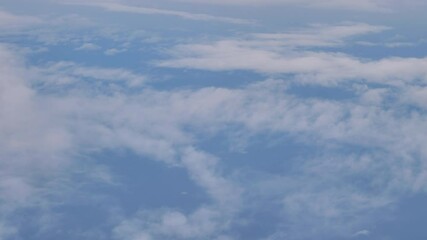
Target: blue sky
<point>216,120</point>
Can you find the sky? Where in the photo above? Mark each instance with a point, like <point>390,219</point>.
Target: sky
<point>213,120</point>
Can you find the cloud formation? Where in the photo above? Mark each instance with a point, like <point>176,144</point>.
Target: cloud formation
<point>154,122</point>
<point>359,122</point>
<point>274,54</point>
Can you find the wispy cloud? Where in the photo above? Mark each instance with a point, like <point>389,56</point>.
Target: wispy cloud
<point>274,54</point>
<point>10,21</point>
<point>363,5</point>
<point>119,7</point>
<point>318,35</point>
<point>62,74</point>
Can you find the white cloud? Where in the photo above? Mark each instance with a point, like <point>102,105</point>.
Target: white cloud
<point>114,51</point>
<point>202,168</point>
<point>23,127</point>
<point>280,54</point>
<point>416,95</point>
<point>204,223</point>
<point>88,47</point>
<point>362,233</point>
<point>266,107</point>
<point>33,143</point>
<point>61,74</point>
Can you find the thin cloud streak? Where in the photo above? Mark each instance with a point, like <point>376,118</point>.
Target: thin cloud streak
<point>363,5</point>
<point>117,7</point>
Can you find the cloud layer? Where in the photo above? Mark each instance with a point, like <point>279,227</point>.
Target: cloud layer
<point>330,141</point>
